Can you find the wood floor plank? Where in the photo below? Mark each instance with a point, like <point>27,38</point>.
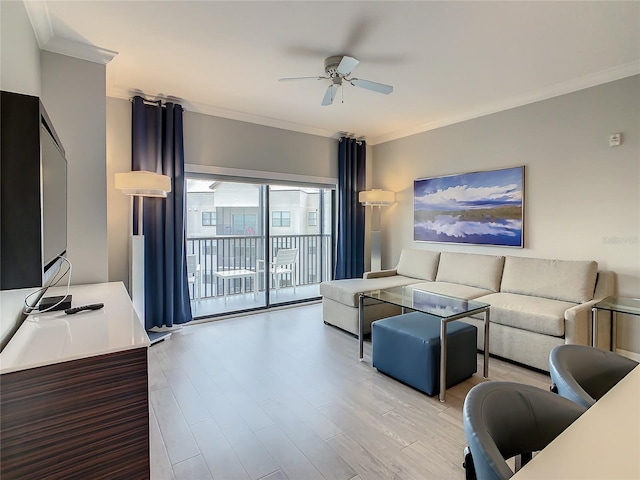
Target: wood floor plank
<point>192,406</point>
<point>438,457</point>
<point>281,395</point>
<point>160,463</point>
<point>291,460</point>
<point>312,417</point>
<point>326,461</point>
<point>251,452</point>
<point>346,412</point>
<point>361,459</point>
<point>246,407</point>
<point>175,431</point>
<point>192,469</point>
<point>279,475</point>
<point>157,379</point>
<point>217,453</point>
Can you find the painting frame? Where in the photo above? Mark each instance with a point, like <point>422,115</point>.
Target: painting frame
<point>485,207</point>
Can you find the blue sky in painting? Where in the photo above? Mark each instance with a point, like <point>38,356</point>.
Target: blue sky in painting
<point>470,190</point>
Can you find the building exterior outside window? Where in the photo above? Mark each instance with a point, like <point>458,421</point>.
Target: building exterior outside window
<point>312,219</point>
<point>208,219</point>
<point>280,219</point>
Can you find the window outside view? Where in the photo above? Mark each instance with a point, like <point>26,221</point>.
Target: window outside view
<point>227,242</point>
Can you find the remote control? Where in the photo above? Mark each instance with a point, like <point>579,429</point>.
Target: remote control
<point>93,306</point>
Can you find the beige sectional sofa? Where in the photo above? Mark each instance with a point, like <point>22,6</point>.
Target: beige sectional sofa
<point>536,304</point>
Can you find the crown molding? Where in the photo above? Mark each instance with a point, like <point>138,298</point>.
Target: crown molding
<point>80,50</point>
<point>197,107</point>
<point>38,14</point>
<point>609,75</point>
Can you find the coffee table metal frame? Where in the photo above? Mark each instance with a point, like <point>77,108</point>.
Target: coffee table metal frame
<point>615,305</point>
<point>404,298</point>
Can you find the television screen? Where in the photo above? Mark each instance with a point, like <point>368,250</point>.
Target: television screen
<point>54,200</point>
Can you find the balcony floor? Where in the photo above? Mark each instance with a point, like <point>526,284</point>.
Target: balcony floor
<point>208,306</point>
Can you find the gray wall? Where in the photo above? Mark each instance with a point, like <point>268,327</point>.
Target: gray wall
<point>118,205</point>
<point>210,141</point>
<point>19,51</point>
<point>230,143</point>
<point>582,198</point>
<point>73,92</point>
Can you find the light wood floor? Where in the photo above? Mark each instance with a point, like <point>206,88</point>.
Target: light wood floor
<point>281,395</point>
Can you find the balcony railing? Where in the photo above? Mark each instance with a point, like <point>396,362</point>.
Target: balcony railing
<point>227,252</point>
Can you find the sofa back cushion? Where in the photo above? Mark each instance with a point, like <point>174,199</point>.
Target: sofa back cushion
<point>421,264</point>
<point>482,271</point>
<point>565,280</point>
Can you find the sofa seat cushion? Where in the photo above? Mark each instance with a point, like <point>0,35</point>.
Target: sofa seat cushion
<point>565,280</point>
<point>452,289</point>
<point>482,271</point>
<point>347,291</point>
<point>535,314</point>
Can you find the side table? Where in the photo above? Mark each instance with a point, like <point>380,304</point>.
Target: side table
<point>615,305</point>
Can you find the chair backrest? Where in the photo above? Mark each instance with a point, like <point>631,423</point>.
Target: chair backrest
<point>192,264</point>
<point>505,419</point>
<point>584,374</point>
<point>285,256</point>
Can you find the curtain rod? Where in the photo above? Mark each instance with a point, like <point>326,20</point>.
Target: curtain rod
<point>359,140</point>
<point>157,102</point>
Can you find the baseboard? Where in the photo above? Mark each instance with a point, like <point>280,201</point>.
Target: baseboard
<point>155,337</point>
<point>625,353</point>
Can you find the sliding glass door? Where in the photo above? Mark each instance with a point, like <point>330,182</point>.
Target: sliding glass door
<point>252,245</point>
<point>298,221</point>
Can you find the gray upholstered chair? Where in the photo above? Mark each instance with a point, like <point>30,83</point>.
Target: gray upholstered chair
<point>584,374</point>
<point>505,419</point>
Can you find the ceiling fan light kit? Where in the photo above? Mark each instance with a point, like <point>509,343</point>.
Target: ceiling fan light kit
<point>338,68</point>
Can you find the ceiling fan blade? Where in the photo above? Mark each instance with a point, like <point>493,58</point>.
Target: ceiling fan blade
<point>346,66</point>
<point>369,85</point>
<point>329,95</point>
<point>288,79</point>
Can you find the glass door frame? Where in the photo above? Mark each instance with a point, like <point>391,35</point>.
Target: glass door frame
<point>325,248</point>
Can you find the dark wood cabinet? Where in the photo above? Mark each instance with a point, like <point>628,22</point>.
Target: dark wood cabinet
<point>74,395</point>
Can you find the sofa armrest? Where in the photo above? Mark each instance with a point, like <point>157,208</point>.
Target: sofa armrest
<point>578,318</point>
<point>380,274</point>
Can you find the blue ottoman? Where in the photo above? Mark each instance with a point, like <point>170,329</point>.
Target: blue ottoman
<point>407,348</point>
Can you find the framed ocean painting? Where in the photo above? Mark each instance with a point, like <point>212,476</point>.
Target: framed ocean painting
<point>482,208</point>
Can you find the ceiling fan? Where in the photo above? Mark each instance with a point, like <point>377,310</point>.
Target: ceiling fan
<point>337,69</point>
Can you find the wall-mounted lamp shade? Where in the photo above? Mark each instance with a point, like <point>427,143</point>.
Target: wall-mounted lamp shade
<point>143,184</point>
<point>376,198</point>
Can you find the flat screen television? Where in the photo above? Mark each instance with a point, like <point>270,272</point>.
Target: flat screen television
<point>54,204</point>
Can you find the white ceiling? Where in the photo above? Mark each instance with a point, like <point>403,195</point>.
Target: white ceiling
<point>448,61</point>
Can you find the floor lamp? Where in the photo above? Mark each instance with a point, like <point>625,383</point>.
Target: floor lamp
<point>376,198</point>
<point>140,184</point>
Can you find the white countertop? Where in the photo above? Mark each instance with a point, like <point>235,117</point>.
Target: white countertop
<point>603,443</point>
<point>55,337</point>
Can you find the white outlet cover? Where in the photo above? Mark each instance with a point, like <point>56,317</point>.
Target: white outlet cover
<point>614,139</point>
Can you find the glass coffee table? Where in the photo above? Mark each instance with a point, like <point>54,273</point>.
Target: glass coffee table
<point>446,308</point>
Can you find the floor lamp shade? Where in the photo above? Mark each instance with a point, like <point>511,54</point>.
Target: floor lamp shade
<point>376,198</point>
<point>140,184</point>
<point>143,184</point>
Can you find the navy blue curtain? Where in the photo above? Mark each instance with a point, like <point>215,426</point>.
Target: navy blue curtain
<point>351,181</point>
<point>157,146</point>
